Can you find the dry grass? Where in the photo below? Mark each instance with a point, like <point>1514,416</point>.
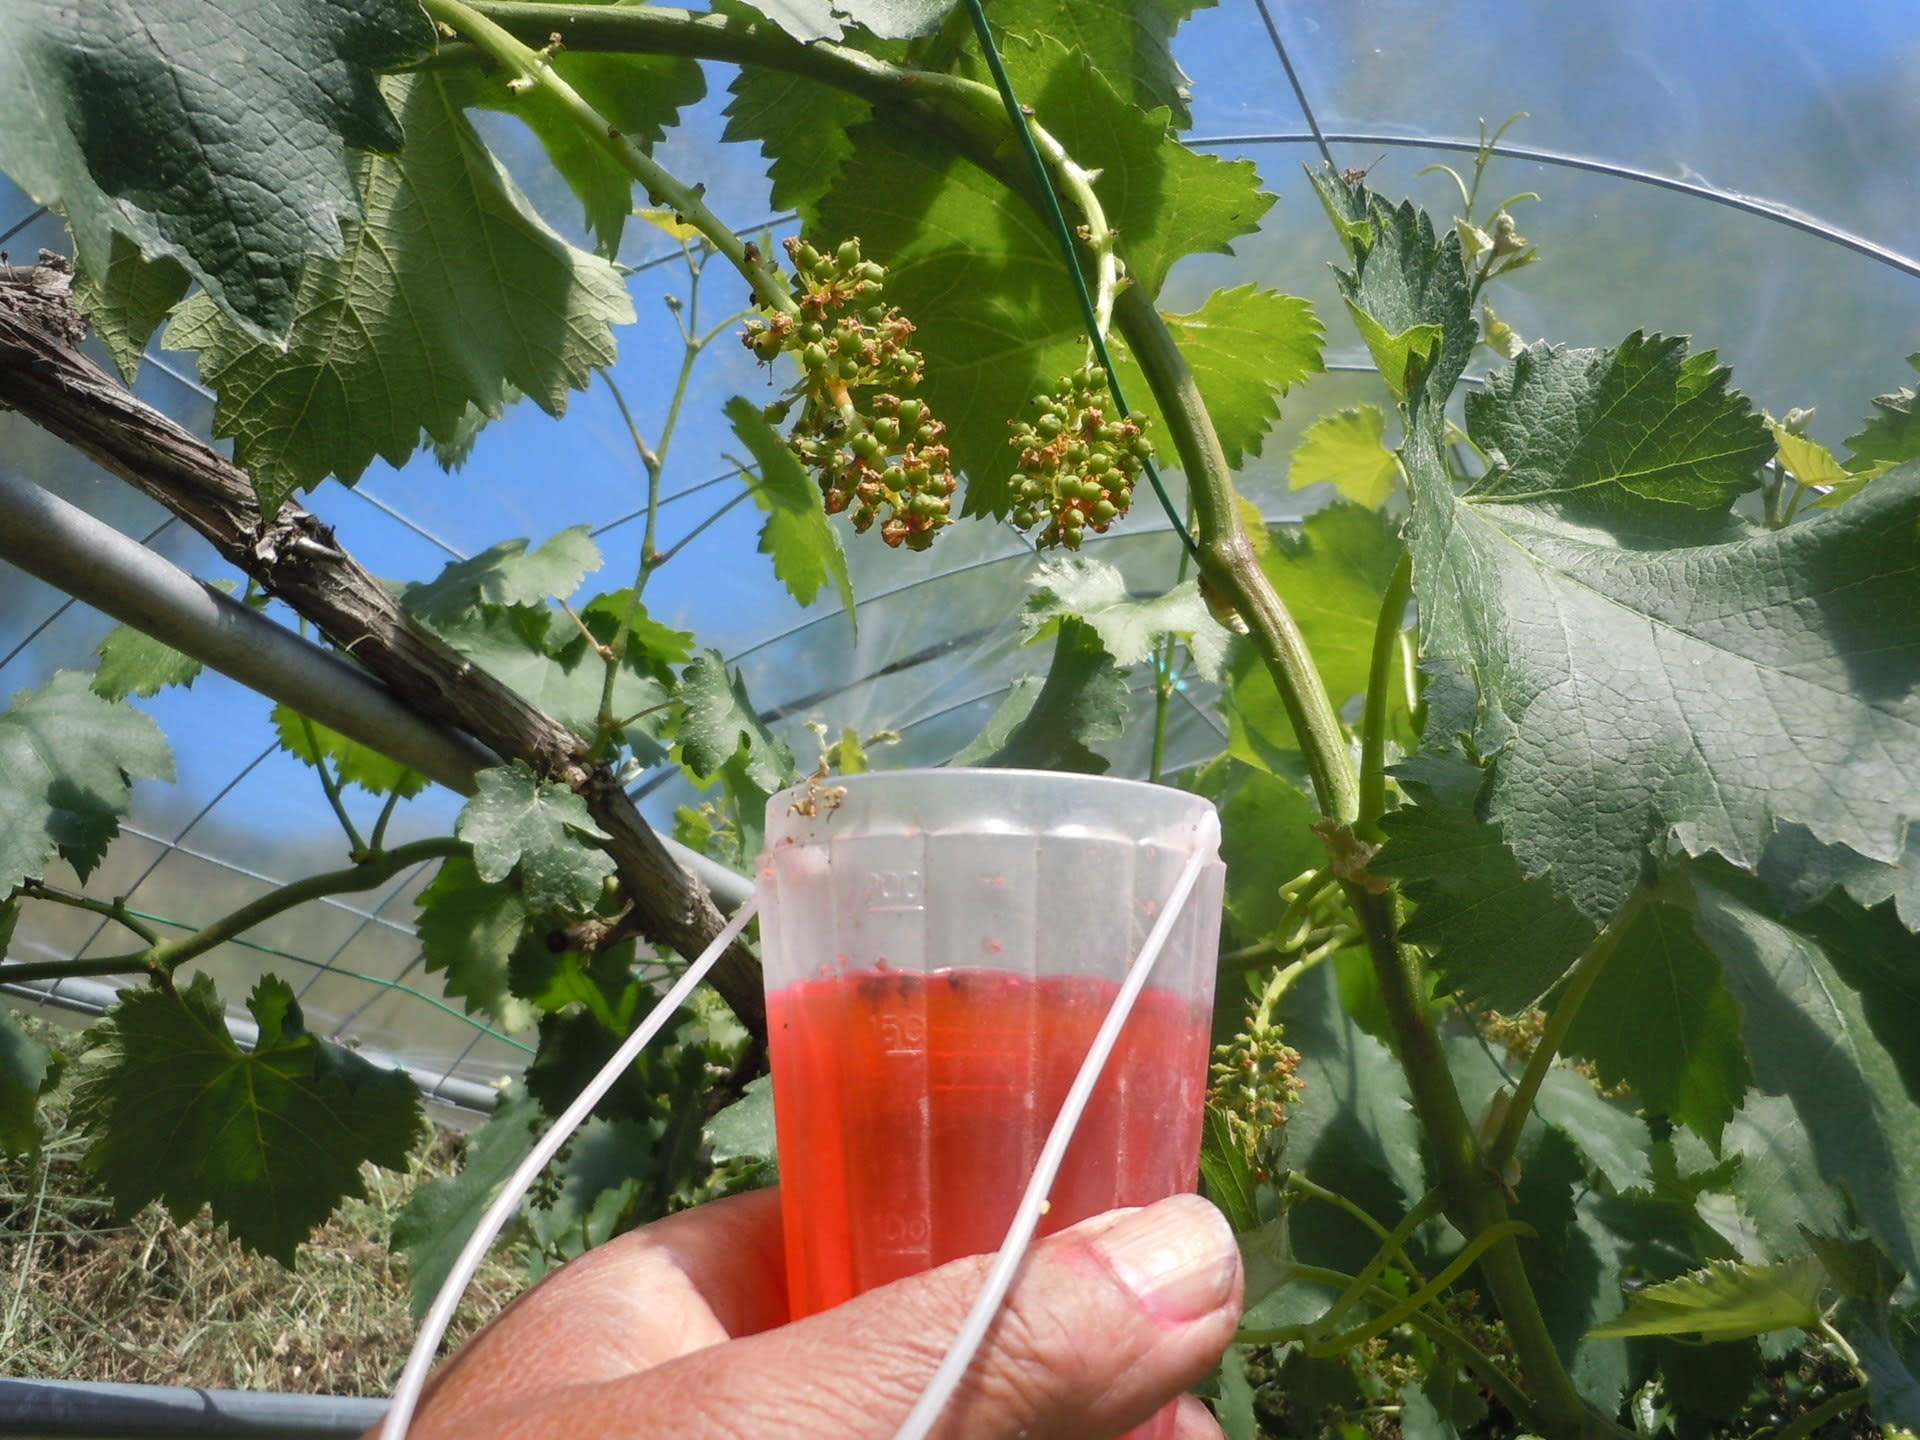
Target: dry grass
<point>84,1296</point>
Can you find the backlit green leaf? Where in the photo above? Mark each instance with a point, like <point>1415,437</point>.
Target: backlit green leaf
<point>27,1071</point>
<point>468,929</point>
<point>804,545</point>
<point>1347,451</point>
<point>67,760</point>
<point>1128,41</point>
<point>1083,699</point>
<point>1725,1301</point>
<point>828,19</point>
<point>506,574</point>
<point>720,725</point>
<point>352,762</point>
<point>802,126</point>
<point>449,291</point>
<point>217,135</point>
<point>125,303</point>
<point>132,662</point>
<point>1129,628</point>
<point>271,1138</point>
<point>1891,435</point>
<point>519,824</point>
<point>1247,347</point>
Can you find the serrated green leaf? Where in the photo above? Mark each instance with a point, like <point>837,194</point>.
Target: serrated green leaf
<point>1129,628</point>
<point>804,545</point>
<point>1725,1301</point>
<point>808,20</point>
<point>1266,840</point>
<point>1857,1266</point>
<point>520,824</point>
<point>1807,460</point>
<point>67,760</point>
<point>979,274</point>
<point>1603,435</point>
<point>272,1138</point>
<point>157,121</point>
<point>744,1130</point>
<point>1332,571</point>
<point>1084,698</point>
<point>355,764</point>
<point>1660,1019</point>
<point>1891,435</point>
<point>506,574</point>
<point>1839,1042</point>
<point>125,303</point>
<point>1405,278</point>
<point>1226,1174</point>
<point>450,290</point>
<point>1776,1182</point>
<point>1246,347</point>
<point>639,95</point>
<point>468,930</point>
<point>651,648</point>
<point>134,663</point>
<point>1347,451</point>
<point>1493,933</point>
<point>1128,41</point>
<point>27,1071</point>
<point>803,128</point>
<point>1713,692</point>
<point>720,725</point>
<point>1801,872</point>
<point>453,452</point>
<point>441,1214</point>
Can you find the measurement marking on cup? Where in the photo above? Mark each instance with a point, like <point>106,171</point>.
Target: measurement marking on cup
<point>902,1232</point>
<point>901,1032</point>
<point>894,890</point>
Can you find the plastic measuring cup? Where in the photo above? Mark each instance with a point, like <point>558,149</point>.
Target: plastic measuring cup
<point>940,947</point>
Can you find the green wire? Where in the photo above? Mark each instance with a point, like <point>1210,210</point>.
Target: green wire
<point>1063,233</point>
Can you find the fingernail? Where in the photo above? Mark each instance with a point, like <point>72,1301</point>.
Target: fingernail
<point>1177,1255</point>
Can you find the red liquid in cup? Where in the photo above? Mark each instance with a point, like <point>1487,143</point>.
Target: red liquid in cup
<point>911,1109</point>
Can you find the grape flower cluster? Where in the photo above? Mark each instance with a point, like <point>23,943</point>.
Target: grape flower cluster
<point>1077,467</point>
<point>877,452</point>
<point>1255,1078</point>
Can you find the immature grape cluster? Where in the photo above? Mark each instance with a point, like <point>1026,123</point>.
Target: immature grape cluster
<point>877,453</point>
<point>1255,1078</point>
<point>1077,467</point>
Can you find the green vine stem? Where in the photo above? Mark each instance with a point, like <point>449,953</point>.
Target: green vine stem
<point>114,909</point>
<point>534,67</point>
<point>1573,994</point>
<point>162,957</point>
<point>1373,722</point>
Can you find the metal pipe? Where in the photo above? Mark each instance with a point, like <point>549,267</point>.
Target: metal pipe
<point>71,1410</point>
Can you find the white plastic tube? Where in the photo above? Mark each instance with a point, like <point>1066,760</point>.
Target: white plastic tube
<point>1026,1220</point>
<point>406,1395</point>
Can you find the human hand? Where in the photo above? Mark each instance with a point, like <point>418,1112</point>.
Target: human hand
<point>680,1329</point>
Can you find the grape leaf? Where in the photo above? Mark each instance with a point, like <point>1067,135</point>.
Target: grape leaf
<point>1347,451</point>
<point>1405,280</point>
<point>1837,1039</point>
<point>1777,1185</point>
<point>1801,872</point>
<point>468,929</point>
<point>520,824</point>
<point>1597,434</point>
<point>506,574</point>
<point>1266,840</point>
<point>980,275</point>
<point>132,662</point>
<point>356,764</point>
<point>720,726</point>
<point>1226,1174</point>
<point>67,761</point>
<point>271,1138</point>
<point>639,95</point>
<point>802,126</point>
<point>651,648</point>
<point>1128,41</point>
<point>1808,461</point>
<point>804,545</point>
<point>1891,435</point>
<point>1128,628</point>
<point>449,291</point>
<point>1725,1301</point>
<point>216,135</point>
<point>1660,1019</point>
<point>126,301</point>
<point>1246,346</point>
<point>1332,571</point>
<point>1084,698</point>
<point>828,19</point>
<point>27,1071</point>
<point>1493,933</point>
<point>441,1214</point>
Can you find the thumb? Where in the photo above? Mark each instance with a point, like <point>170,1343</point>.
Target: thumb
<point>1108,1321</point>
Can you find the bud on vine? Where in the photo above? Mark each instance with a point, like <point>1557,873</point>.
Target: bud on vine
<point>1077,467</point>
<point>877,455</point>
